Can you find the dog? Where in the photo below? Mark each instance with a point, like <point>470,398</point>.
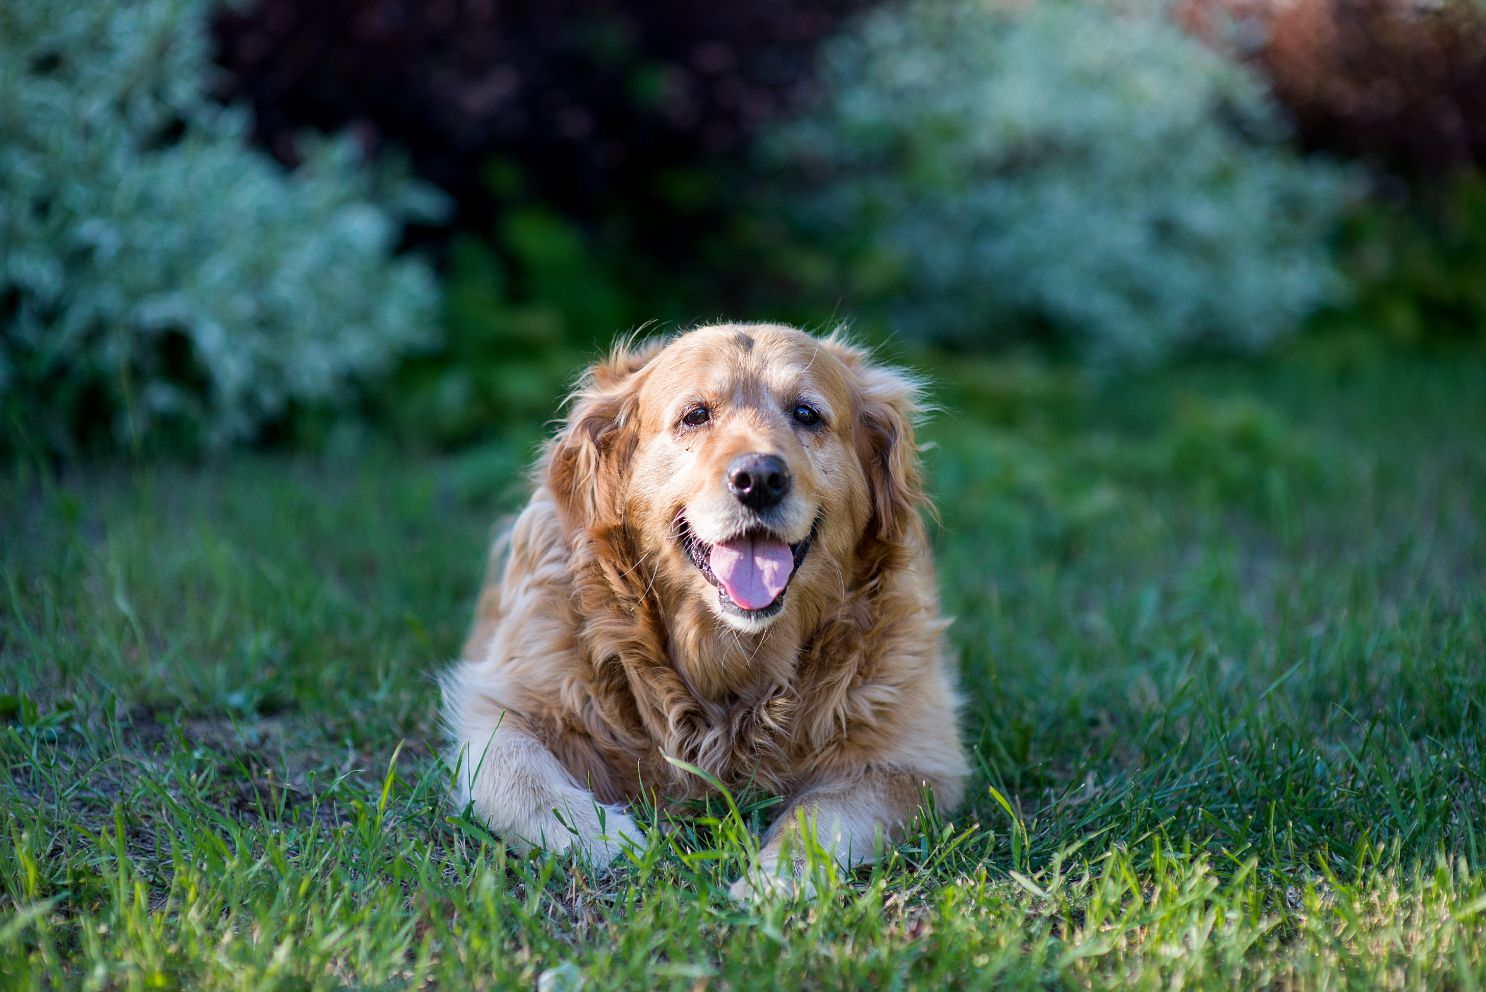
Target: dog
<point>723,562</point>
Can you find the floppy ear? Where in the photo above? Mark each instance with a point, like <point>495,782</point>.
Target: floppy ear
<point>587,462</point>
<point>889,402</point>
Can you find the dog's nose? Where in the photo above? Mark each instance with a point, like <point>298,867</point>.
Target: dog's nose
<point>759,481</point>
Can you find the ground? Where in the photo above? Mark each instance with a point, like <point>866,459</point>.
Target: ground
<point>1223,640</point>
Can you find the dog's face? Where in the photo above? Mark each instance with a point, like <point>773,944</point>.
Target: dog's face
<point>745,479</point>
<point>748,462</point>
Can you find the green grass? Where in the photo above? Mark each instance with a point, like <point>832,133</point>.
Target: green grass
<point>1223,640</point>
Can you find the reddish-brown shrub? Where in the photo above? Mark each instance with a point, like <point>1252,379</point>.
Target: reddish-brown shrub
<point>1399,84</point>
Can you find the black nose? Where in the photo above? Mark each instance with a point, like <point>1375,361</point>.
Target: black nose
<point>759,481</point>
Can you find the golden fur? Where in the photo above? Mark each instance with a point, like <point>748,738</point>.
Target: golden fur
<point>599,647</point>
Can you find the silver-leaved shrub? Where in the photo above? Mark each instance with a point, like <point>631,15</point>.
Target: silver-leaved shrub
<point>156,275</point>
<point>1066,167</point>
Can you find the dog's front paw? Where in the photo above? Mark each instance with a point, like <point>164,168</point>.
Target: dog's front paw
<point>600,841</point>
<point>769,880</point>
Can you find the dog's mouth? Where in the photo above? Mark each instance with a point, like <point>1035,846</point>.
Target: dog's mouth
<point>750,570</point>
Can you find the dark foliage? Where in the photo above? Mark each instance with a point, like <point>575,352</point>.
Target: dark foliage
<point>1420,266</point>
<point>598,108</point>
<point>1400,84</point>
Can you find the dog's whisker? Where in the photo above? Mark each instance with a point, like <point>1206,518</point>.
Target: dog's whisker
<point>638,562</point>
<point>753,655</point>
<point>650,585</point>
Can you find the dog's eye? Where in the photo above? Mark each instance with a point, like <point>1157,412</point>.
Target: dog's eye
<point>806,415</point>
<point>696,416</point>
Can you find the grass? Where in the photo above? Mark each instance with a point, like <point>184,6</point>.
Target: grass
<point>1223,641</point>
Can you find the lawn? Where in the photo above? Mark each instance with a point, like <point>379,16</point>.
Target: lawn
<point>1223,640</point>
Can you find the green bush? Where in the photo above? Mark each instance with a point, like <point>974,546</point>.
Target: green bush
<point>1420,267</point>
<point>159,281</point>
<point>531,304</point>
<point>523,313</point>
<point>1064,170</point>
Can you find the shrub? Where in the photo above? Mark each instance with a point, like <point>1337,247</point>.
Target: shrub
<point>157,278</point>
<point>613,114</point>
<point>1419,266</point>
<point>514,334</point>
<point>1402,85</point>
<point>1062,169</point>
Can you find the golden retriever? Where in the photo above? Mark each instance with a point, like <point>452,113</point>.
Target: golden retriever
<point>723,562</point>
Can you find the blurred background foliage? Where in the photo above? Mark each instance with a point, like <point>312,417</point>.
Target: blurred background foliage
<point>161,281</point>
<point>1070,171</point>
<point>248,222</point>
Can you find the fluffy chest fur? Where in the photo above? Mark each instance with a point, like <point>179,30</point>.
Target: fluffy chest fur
<point>621,684</point>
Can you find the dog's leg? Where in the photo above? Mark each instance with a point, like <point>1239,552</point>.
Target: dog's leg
<point>852,819</point>
<point>524,793</point>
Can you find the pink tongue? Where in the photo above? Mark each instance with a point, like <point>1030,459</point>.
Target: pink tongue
<point>752,570</point>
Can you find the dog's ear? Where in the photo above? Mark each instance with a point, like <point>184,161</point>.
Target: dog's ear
<point>889,403</point>
<point>588,460</point>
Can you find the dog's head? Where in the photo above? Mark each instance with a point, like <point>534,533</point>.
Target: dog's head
<point>749,463</point>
